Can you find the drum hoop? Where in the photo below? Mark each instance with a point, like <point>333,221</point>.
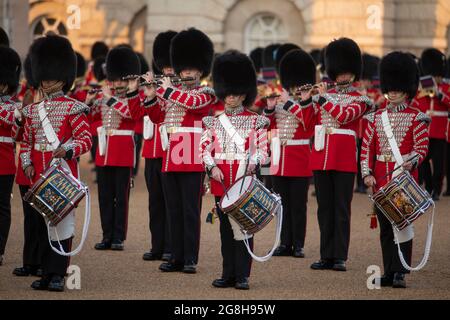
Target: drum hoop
<point>241,199</point>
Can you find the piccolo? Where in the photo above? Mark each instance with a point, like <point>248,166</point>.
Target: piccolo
<point>158,82</point>
<point>95,90</point>
<point>155,77</point>
<point>271,96</point>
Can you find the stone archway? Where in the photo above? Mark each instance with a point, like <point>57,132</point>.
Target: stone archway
<point>242,12</point>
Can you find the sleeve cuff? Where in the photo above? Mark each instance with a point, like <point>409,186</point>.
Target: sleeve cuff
<point>322,101</point>
<point>167,93</point>
<point>151,102</point>
<point>269,112</point>
<point>304,103</point>
<point>110,102</point>
<point>132,94</point>
<point>69,154</point>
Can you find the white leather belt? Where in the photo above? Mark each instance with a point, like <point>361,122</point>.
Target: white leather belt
<point>390,158</point>
<point>230,156</point>
<point>172,130</point>
<point>437,113</point>
<point>6,139</point>
<point>115,132</point>
<point>43,147</point>
<point>340,131</point>
<point>295,142</point>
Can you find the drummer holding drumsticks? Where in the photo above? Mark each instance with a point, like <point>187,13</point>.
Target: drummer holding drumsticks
<point>232,145</point>
<point>399,81</point>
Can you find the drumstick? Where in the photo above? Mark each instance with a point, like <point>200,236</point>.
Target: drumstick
<point>224,189</point>
<point>398,167</point>
<point>245,174</point>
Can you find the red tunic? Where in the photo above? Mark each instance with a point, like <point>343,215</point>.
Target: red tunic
<point>184,110</point>
<point>437,108</point>
<point>409,126</point>
<point>69,121</point>
<point>7,122</point>
<point>335,110</point>
<point>287,124</point>
<point>115,117</point>
<point>216,143</point>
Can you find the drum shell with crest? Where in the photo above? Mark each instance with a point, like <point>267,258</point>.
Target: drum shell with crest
<point>252,208</point>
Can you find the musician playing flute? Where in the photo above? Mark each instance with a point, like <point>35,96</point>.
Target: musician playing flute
<point>56,127</point>
<point>290,145</point>
<point>152,112</point>
<point>336,115</point>
<point>230,142</point>
<point>115,155</point>
<point>399,80</point>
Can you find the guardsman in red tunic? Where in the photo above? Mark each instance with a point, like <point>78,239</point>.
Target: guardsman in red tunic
<point>436,104</point>
<point>99,50</point>
<point>79,89</point>
<point>115,155</point>
<point>290,141</point>
<point>191,55</point>
<point>399,80</point>
<point>447,164</point>
<point>152,114</point>
<point>366,84</point>
<point>54,117</point>
<point>333,160</point>
<point>224,155</point>
<point>10,68</point>
<point>33,224</point>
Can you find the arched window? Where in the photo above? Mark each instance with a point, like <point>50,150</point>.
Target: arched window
<point>264,29</point>
<point>47,24</point>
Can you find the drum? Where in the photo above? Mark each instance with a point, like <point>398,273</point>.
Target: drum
<point>56,193</point>
<point>250,204</point>
<point>402,200</point>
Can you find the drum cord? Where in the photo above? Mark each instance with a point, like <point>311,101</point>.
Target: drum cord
<point>87,218</point>
<point>277,239</point>
<point>427,246</point>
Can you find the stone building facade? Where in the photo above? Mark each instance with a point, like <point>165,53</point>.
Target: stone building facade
<point>378,26</point>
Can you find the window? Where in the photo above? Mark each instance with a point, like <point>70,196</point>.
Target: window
<point>47,24</point>
<point>263,30</point>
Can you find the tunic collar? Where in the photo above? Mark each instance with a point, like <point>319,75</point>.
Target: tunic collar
<point>234,111</point>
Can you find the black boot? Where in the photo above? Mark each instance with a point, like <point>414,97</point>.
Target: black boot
<point>117,245</point>
<point>151,256</point>
<point>385,280</point>
<point>224,283</point>
<point>322,265</point>
<point>26,271</point>
<point>399,280</point>
<point>339,265</point>
<point>242,284</point>
<point>299,252</point>
<point>56,284</point>
<point>41,284</point>
<point>105,244</point>
<point>283,251</point>
<point>171,266</point>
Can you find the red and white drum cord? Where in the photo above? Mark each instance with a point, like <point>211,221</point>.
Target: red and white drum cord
<point>427,246</point>
<point>87,218</point>
<point>277,238</point>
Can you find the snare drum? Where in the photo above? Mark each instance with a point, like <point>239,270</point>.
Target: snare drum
<point>56,193</point>
<point>402,200</point>
<point>253,208</point>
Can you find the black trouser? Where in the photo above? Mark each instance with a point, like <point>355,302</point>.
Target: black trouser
<point>447,161</point>
<point>391,259</point>
<point>359,179</point>
<point>294,197</point>
<point>183,194</point>
<point>93,152</point>
<point>237,262</point>
<point>433,178</point>
<point>52,262</point>
<point>158,217</point>
<point>334,192</point>
<point>113,196</point>
<point>138,146</point>
<point>6,185</point>
<point>33,227</point>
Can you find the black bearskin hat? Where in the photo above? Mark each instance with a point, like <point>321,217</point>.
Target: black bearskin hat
<point>161,49</point>
<point>121,62</point>
<point>81,65</point>
<point>143,63</point>
<point>447,71</point>
<point>99,68</point>
<point>99,49</point>
<point>370,66</point>
<point>29,73</point>
<point>282,50</point>
<point>10,68</point>
<point>155,68</point>
<point>234,74</point>
<point>433,62</point>
<point>52,58</point>
<point>343,56</point>
<point>315,54</point>
<point>399,72</point>
<point>4,39</point>
<point>256,56</point>
<point>297,68</point>
<point>269,54</point>
<point>192,48</point>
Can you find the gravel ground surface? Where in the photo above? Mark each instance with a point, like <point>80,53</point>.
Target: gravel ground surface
<point>124,275</point>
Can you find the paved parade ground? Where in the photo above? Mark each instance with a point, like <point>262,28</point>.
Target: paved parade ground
<point>124,275</point>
